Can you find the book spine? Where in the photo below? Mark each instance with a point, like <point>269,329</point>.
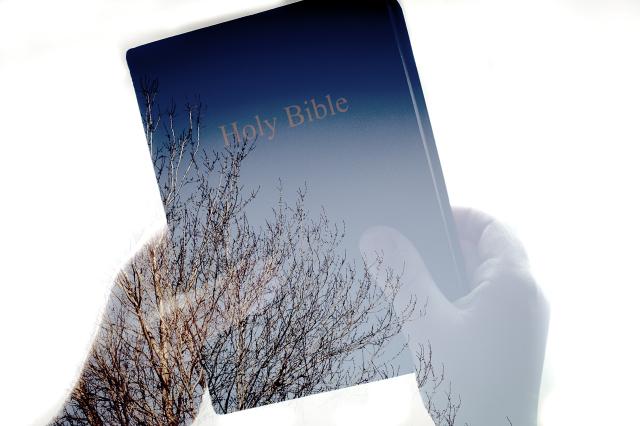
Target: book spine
<point>459,288</point>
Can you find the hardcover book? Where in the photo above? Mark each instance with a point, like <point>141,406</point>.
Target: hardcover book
<point>278,139</point>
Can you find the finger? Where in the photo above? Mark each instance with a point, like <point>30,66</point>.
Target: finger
<point>489,248</point>
<point>470,223</point>
<point>396,253</point>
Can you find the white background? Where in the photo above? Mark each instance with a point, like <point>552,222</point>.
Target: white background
<point>535,108</point>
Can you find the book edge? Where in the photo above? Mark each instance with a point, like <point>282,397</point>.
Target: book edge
<point>452,292</point>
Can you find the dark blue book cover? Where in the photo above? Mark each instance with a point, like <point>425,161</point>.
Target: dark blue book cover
<point>279,75</point>
<point>278,139</point>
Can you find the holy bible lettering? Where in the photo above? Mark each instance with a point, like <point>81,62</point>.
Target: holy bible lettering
<point>294,115</point>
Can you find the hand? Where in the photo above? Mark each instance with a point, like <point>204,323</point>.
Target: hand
<point>491,342</point>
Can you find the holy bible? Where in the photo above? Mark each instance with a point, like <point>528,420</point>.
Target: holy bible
<point>278,139</point>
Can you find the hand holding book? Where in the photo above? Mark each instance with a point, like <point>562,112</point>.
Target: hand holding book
<point>479,358</point>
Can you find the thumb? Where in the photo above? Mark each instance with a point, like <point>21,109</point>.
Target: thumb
<point>386,251</point>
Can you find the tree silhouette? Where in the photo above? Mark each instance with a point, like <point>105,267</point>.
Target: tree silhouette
<point>251,314</point>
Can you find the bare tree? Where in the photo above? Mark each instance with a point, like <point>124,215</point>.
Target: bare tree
<point>145,366</point>
<point>255,314</point>
<point>441,403</point>
<point>320,324</point>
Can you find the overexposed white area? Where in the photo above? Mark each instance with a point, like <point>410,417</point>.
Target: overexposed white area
<point>393,402</point>
<point>535,108</point>
<point>536,112</point>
